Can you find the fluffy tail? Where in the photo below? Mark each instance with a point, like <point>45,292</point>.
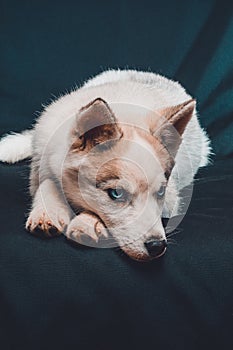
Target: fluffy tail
<point>16,147</point>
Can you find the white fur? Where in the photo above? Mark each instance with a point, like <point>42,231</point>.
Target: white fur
<point>195,140</point>
<point>16,147</point>
<point>148,90</point>
<point>124,88</point>
<point>130,94</point>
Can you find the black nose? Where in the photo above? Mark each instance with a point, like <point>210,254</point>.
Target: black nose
<point>155,247</point>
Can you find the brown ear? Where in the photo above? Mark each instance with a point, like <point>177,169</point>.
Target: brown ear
<point>173,125</point>
<point>96,124</point>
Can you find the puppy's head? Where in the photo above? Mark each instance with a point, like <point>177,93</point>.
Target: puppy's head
<point>120,173</point>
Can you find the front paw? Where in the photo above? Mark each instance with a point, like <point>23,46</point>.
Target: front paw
<point>86,229</point>
<point>49,222</point>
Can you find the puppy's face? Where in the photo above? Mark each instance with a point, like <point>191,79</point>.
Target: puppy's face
<point>119,172</point>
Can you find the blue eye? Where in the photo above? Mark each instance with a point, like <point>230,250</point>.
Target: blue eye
<point>161,191</point>
<point>117,194</point>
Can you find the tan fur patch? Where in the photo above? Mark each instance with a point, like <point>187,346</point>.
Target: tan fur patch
<point>167,162</point>
<point>96,124</point>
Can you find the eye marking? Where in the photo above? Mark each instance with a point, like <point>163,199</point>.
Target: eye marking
<point>117,194</point>
<point>161,192</point>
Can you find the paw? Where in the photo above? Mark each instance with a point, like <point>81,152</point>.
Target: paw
<point>86,229</point>
<point>50,222</point>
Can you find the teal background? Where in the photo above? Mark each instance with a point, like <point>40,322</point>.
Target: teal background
<point>57,296</point>
<point>48,47</point>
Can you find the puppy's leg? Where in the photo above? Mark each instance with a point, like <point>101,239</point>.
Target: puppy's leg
<point>86,228</point>
<point>34,178</point>
<point>49,213</point>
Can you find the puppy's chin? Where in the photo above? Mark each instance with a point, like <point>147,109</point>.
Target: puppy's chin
<point>141,256</point>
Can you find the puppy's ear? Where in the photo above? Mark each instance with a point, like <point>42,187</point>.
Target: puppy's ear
<point>95,125</point>
<point>172,124</point>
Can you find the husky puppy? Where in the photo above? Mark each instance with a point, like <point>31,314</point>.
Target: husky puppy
<point>108,161</point>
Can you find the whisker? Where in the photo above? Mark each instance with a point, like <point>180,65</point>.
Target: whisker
<point>172,242</point>
<point>203,215</point>
<point>173,233</point>
<point>211,179</point>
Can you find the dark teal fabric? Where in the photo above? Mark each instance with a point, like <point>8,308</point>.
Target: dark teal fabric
<point>57,296</point>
